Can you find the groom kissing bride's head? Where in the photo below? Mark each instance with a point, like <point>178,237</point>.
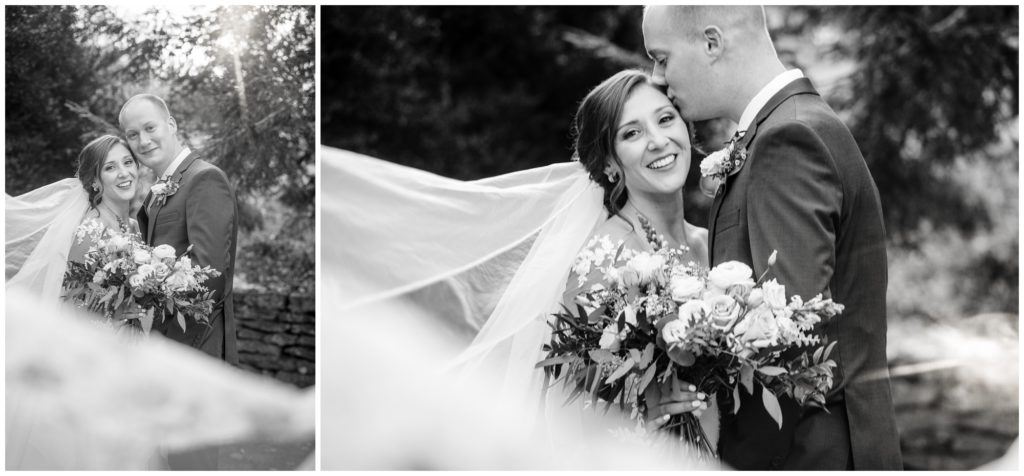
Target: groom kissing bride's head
<point>712,59</point>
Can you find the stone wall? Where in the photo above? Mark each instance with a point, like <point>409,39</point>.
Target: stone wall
<point>276,335</point>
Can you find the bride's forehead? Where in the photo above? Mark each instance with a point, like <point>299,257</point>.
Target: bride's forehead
<point>117,152</point>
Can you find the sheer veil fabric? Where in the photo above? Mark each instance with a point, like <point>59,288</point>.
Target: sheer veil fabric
<point>39,228</point>
<point>493,254</point>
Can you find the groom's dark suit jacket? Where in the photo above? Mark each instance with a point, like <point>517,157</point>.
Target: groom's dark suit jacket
<point>202,213</point>
<point>806,191</point>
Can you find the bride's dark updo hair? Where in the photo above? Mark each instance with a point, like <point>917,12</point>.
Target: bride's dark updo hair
<point>90,161</point>
<point>597,121</point>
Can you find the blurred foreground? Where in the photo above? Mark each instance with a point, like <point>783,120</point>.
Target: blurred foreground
<point>956,390</point>
<point>79,397</point>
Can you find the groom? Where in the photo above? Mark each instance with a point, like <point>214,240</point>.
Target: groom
<point>197,210</point>
<point>805,191</point>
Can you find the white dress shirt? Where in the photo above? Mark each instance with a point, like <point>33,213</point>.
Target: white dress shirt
<point>177,161</point>
<point>766,93</point>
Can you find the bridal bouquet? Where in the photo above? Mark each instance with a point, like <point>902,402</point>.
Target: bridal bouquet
<point>120,270</point>
<point>653,315</point>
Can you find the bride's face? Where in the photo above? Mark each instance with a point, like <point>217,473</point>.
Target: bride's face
<point>652,143</point>
<point>118,175</point>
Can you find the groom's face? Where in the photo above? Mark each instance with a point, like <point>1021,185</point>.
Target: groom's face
<point>151,134</point>
<point>680,64</point>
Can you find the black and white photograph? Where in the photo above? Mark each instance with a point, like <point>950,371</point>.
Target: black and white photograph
<point>669,237</point>
<point>160,237</point>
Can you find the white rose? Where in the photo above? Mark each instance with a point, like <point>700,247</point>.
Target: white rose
<point>610,338</point>
<point>723,310</point>
<point>146,270</point>
<point>161,270</point>
<point>685,288</point>
<point>136,280</point>
<point>774,294</point>
<point>99,277</point>
<point>674,331</point>
<point>159,189</point>
<point>184,263</point>
<point>141,256</point>
<point>692,311</point>
<point>730,273</point>
<point>755,298</point>
<point>117,243</point>
<point>177,282</point>
<point>163,252</point>
<point>647,267</point>
<point>758,328</point>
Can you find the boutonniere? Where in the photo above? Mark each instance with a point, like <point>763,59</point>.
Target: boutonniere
<point>163,189</point>
<point>720,164</point>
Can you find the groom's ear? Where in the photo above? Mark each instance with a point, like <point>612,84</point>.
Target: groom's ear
<point>173,123</point>
<point>713,41</point>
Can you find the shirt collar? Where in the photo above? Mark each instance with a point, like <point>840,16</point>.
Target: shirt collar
<point>766,93</point>
<point>185,151</point>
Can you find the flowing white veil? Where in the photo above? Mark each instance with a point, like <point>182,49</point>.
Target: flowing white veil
<point>437,294</point>
<point>502,247</point>
<point>39,229</point>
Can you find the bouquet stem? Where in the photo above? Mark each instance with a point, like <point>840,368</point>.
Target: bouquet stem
<point>691,433</point>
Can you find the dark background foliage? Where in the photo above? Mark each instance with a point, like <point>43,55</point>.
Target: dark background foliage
<point>469,92</point>
<point>239,81</point>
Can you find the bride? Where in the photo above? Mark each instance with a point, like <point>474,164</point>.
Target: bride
<point>488,261</point>
<point>52,225</point>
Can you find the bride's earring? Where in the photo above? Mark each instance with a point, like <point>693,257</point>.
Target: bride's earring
<point>96,187</point>
<point>613,176</point>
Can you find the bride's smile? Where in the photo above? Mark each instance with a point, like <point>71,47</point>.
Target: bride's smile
<point>118,175</point>
<point>652,143</point>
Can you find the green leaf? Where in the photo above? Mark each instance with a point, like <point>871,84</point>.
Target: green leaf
<point>828,350</point>
<point>735,399</point>
<point>747,378</point>
<point>648,355</point>
<point>622,370</point>
<point>771,405</point>
<point>561,359</point>
<point>635,355</point>
<point>817,354</point>
<point>648,377</point>
<point>181,321</point>
<point>681,356</point>
<point>772,370</point>
<point>601,355</point>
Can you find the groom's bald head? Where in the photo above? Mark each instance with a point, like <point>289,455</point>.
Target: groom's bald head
<point>746,22</point>
<point>153,99</point>
<point>710,57</point>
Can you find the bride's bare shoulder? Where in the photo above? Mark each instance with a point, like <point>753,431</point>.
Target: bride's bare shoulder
<point>617,229</point>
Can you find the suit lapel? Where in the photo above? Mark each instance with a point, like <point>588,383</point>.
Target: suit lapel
<point>799,86</point>
<point>175,177</point>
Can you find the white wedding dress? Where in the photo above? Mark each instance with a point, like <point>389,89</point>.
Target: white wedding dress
<point>80,398</point>
<point>463,276</point>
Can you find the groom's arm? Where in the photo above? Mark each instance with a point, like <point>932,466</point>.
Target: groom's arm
<point>794,203</point>
<point>210,215</point>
